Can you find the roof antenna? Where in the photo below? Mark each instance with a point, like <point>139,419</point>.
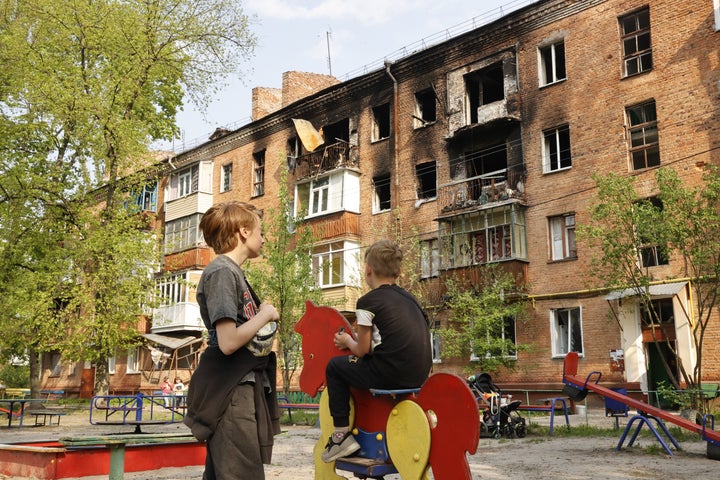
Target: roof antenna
<point>327,38</point>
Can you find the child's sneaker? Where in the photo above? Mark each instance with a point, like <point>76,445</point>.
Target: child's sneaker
<point>334,450</point>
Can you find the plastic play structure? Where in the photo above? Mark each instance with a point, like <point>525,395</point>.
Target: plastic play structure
<point>399,431</point>
<point>577,389</point>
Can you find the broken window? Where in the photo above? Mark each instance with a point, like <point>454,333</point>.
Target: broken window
<point>556,149</point>
<point>483,87</point>
<point>562,237</point>
<point>637,49</point>
<point>381,197</point>
<point>426,174</point>
<point>486,168</point>
<point>425,108</point>
<point>643,135</point>
<point>381,122</point>
<point>566,331</point>
<point>552,63</point>
<point>259,173</point>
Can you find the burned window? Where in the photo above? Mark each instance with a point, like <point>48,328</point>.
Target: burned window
<point>556,149</point>
<point>381,196</point>
<point>643,135</point>
<point>483,87</point>
<point>552,63</point>
<point>637,49</point>
<point>381,122</point>
<point>426,174</point>
<point>425,108</point>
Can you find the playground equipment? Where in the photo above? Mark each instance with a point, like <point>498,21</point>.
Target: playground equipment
<point>399,431</point>
<point>577,389</point>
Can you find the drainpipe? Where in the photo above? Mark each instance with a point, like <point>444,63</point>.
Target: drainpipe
<point>395,125</point>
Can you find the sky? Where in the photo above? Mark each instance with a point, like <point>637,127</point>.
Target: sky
<point>345,38</point>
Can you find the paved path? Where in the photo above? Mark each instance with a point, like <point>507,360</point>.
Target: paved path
<point>534,457</point>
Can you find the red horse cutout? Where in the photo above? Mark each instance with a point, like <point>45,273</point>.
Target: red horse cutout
<point>434,428</point>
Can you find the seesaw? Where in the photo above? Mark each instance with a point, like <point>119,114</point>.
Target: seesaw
<point>577,389</point>
<point>400,431</point>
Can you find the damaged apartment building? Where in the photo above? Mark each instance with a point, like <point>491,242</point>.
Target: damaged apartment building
<point>483,149</point>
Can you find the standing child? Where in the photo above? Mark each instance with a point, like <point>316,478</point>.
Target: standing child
<point>232,401</point>
<point>392,350</point>
<point>167,391</point>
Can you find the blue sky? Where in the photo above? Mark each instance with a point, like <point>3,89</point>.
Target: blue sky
<point>358,34</point>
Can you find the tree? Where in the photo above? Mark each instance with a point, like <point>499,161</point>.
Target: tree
<point>482,319</point>
<point>85,87</point>
<point>285,276</point>
<point>677,223</point>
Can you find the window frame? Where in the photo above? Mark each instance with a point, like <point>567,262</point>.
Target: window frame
<point>258,186</point>
<point>182,228</point>
<point>382,193</point>
<point>562,341</point>
<point>226,177</point>
<point>341,256</point>
<point>556,141</point>
<point>639,54</point>
<point>645,130</point>
<point>425,108</point>
<point>132,361</point>
<point>381,122</point>
<point>562,235</point>
<point>426,174</point>
<point>429,258</point>
<point>551,64</point>
<point>343,194</point>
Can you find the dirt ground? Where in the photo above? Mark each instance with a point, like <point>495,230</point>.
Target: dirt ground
<point>533,457</point>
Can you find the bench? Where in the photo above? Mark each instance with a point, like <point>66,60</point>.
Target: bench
<point>47,414</point>
<point>710,392</point>
<point>53,394</point>
<point>284,403</point>
<point>550,405</point>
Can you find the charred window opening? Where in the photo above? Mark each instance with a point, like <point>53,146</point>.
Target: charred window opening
<point>488,165</point>
<point>425,108</point>
<point>381,197</point>
<point>426,174</point>
<point>484,87</point>
<point>337,132</point>
<point>381,122</point>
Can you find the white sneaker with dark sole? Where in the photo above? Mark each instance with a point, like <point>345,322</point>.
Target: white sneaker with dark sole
<point>334,450</point>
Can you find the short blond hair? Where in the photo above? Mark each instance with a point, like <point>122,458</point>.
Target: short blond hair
<point>220,223</point>
<point>385,258</point>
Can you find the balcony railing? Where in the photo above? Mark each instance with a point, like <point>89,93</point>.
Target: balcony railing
<point>481,190</point>
<point>337,155</point>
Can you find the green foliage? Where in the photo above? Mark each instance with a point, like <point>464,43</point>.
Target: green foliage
<point>98,81</point>
<point>681,223</point>
<point>480,320</point>
<point>15,376</point>
<point>285,276</point>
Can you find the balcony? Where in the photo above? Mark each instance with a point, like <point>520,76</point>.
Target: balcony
<point>337,155</point>
<point>481,191</point>
<point>178,317</point>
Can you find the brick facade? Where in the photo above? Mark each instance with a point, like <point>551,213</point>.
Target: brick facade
<point>591,102</point>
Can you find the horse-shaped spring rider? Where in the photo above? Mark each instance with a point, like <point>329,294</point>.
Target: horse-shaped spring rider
<point>399,431</point>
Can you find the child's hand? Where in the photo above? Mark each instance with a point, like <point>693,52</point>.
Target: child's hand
<point>267,308</point>
<point>342,339</point>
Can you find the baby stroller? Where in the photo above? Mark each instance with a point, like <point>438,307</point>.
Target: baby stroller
<point>499,415</point>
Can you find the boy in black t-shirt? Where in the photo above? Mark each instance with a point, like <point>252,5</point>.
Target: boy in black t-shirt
<point>392,350</point>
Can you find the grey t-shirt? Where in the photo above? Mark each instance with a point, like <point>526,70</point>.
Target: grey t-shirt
<point>223,292</point>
